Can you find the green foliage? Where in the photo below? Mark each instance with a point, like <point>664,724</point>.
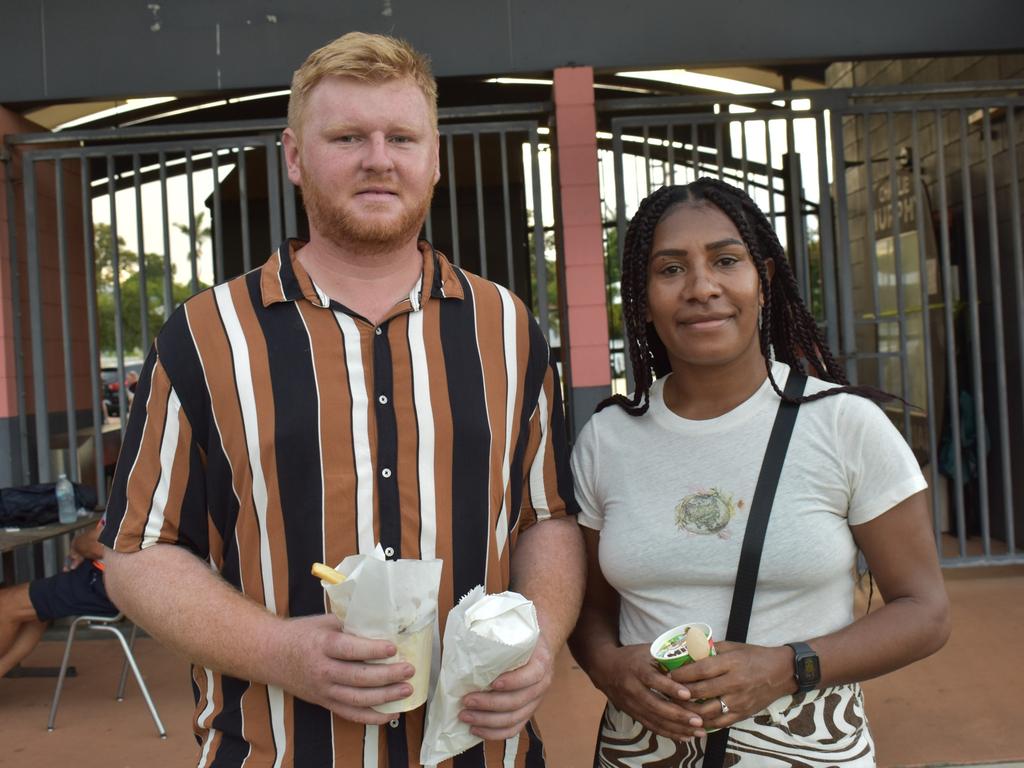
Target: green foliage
<point>131,295</point>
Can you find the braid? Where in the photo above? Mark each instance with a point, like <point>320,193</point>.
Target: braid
<point>788,331</point>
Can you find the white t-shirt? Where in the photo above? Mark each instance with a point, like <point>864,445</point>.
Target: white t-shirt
<point>670,497</point>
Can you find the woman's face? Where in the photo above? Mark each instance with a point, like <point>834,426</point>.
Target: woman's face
<point>703,290</point>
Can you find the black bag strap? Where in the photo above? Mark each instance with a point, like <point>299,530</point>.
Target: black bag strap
<point>753,539</point>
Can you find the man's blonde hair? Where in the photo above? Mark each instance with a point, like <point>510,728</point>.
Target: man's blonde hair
<point>370,58</point>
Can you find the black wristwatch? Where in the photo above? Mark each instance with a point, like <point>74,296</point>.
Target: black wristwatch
<point>806,667</point>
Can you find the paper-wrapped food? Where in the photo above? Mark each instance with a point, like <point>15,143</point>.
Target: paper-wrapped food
<point>486,635</point>
<point>392,600</point>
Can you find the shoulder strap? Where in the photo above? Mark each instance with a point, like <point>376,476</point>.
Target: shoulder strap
<point>753,539</point>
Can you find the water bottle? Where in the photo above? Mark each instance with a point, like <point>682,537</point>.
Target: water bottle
<point>67,511</point>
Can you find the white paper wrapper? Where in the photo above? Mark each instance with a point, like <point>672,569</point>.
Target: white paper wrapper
<point>485,636</point>
<point>392,600</point>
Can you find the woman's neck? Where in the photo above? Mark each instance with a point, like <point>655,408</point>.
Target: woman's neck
<point>700,392</point>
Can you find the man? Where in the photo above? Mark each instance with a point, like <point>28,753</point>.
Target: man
<point>357,390</point>
<point>26,609</point>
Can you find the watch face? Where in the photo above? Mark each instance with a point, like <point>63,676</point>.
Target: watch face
<point>808,668</point>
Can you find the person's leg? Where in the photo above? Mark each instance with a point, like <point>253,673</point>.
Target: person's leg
<point>16,614</point>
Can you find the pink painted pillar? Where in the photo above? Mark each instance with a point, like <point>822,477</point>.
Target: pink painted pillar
<point>582,243</point>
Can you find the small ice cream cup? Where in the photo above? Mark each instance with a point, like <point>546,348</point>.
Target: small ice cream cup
<point>669,651</point>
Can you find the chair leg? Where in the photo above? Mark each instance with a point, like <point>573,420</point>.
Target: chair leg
<point>130,658</point>
<point>63,674</point>
<point>124,667</point>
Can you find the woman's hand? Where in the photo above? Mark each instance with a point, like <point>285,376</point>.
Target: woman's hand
<point>746,677</point>
<point>631,681</point>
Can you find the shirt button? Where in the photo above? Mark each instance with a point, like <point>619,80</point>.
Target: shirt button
<point>394,723</point>
<point>378,330</point>
<point>383,399</point>
<point>389,552</point>
<point>385,472</point>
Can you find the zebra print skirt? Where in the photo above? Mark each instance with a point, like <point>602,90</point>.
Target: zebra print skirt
<point>807,730</point>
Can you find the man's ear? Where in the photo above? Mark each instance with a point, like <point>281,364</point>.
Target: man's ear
<point>290,142</point>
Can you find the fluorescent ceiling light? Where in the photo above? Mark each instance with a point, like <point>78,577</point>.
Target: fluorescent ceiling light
<point>541,81</point>
<point>129,105</point>
<point>211,105</point>
<point>698,80</point>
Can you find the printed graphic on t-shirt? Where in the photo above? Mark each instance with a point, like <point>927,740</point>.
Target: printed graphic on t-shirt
<point>707,512</point>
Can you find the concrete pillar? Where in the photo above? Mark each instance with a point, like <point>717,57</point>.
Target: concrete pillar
<point>585,326</point>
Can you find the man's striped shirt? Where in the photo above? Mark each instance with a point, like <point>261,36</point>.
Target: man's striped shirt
<point>273,428</point>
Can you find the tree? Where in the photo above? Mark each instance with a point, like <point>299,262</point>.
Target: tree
<point>131,301</point>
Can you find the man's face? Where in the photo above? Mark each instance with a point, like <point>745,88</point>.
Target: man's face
<point>367,162</point>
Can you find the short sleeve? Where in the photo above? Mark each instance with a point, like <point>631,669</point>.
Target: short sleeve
<point>585,474</point>
<point>157,496</point>
<point>547,482</point>
<point>881,468</point>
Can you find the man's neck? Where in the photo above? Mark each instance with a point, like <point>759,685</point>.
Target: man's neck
<point>368,283</point>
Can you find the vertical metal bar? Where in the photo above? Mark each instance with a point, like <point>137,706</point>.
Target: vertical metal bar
<point>506,199</point>
<point>871,245</point>
<point>453,200</point>
<point>620,238</point>
<point>647,159</point>
<point>826,238</point>
<point>429,225</point>
<point>273,193</point>
<point>770,168</point>
<point>975,329</point>
<point>44,471</point>
<point>848,330</point>
<point>997,320</point>
<point>243,203</point>
<point>71,417</point>
<point>744,170</point>
<point>695,150</point>
<point>947,311</point>
<point>143,292</point>
<point>669,130</point>
<point>901,320</point>
<point>795,218</point>
<point>193,257</point>
<point>719,150</point>
<point>922,267</point>
<point>481,233</point>
<point>538,236</point>
<point>217,224</point>
<point>115,254</point>
<point>16,319</point>
<point>1018,264</point>
<point>288,194</point>
<point>89,266</point>
<point>168,291</point>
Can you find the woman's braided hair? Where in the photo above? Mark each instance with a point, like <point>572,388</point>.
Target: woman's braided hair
<point>788,331</point>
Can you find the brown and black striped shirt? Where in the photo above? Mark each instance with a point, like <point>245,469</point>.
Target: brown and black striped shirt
<point>273,428</point>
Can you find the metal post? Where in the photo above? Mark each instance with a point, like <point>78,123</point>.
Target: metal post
<point>901,320</point>
<point>481,233</point>
<point>849,331</point>
<point>826,238</point>
<point>143,292</point>
<point>35,285</point>
<point>16,322</point>
<point>168,291</point>
<point>71,419</point>
<point>506,199</point>
<point>538,235</point>
<point>453,201</point>
<point>89,267</point>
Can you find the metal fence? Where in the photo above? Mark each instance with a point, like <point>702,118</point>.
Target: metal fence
<point>119,227</point>
<point>900,211</point>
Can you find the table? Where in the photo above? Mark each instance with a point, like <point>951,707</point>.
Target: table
<point>11,540</point>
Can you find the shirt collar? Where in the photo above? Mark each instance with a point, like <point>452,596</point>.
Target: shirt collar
<point>283,278</point>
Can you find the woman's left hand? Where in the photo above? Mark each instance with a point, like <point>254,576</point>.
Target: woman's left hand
<point>747,678</point>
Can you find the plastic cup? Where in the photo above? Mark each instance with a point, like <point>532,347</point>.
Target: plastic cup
<point>669,650</point>
<point>415,648</point>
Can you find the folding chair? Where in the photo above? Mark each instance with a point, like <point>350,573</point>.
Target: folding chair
<point>107,624</point>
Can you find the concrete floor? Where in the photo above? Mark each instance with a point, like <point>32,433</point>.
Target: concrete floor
<point>959,707</point>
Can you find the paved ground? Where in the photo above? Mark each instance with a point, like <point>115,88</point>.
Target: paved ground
<point>960,707</point>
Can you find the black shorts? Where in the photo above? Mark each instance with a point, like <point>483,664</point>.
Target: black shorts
<point>78,592</point>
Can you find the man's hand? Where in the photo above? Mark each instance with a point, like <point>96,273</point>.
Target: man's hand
<point>323,665</point>
<point>504,710</point>
<point>628,677</point>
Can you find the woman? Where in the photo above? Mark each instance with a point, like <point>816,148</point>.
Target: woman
<point>665,479</point>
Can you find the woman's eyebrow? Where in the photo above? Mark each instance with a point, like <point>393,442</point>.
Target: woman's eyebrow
<point>722,243</point>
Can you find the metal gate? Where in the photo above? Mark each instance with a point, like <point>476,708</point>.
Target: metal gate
<point>900,211</point>
<point>119,227</point>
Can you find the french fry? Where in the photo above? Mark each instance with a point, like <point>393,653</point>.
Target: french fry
<point>326,573</point>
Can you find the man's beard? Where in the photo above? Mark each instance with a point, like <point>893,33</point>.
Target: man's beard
<point>371,235</point>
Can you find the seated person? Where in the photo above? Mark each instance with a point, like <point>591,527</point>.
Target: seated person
<point>26,609</point>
